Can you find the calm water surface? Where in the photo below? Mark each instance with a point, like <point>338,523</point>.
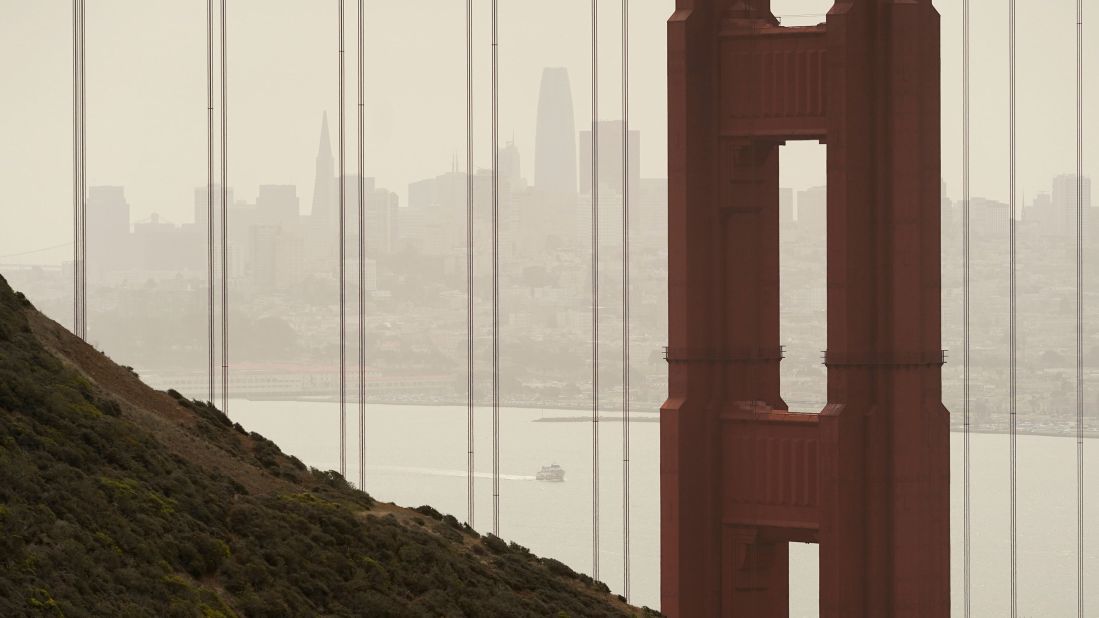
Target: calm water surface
<point>417,455</point>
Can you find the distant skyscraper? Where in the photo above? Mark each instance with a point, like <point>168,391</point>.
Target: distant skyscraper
<point>555,141</point>
<point>108,229</point>
<point>989,220</point>
<point>510,170</point>
<point>1063,207</point>
<point>275,257</point>
<point>324,182</point>
<point>277,205</point>
<point>382,208</point>
<point>813,214</point>
<point>610,158</point>
<point>200,205</point>
<point>785,208</point>
<point>1038,209</point>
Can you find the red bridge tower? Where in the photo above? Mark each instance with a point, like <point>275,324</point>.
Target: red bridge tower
<point>741,476</point>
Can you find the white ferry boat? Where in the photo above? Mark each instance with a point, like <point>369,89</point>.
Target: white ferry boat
<point>553,473</point>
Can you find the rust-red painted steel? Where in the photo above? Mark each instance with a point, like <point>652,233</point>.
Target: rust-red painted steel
<point>741,476</point>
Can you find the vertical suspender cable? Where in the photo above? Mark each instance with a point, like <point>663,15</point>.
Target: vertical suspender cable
<point>626,299</point>
<point>83,180</point>
<point>1011,316</point>
<point>76,167</point>
<point>495,270</point>
<point>469,265</point>
<point>595,285</point>
<point>362,260</point>
<point>1080,308</point>
<point>224,214</point>
<point>342,246</point>
<point>210,280</point>
<point>967,587</point>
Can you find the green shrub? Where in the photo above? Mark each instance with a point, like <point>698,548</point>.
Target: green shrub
<point>495,543</point>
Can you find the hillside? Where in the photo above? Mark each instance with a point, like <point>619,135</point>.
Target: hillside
<point>118,500</point>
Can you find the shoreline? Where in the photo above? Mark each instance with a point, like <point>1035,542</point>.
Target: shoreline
<point>637,416</point>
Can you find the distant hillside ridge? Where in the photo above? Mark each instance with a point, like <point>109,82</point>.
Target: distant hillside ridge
<point>119,500</point>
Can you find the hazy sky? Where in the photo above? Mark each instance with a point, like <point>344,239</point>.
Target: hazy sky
<point>146,68</point>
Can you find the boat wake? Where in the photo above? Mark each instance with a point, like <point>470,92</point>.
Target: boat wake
<point>450,473</point>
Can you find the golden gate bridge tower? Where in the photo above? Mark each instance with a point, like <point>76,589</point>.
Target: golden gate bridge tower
<point>741,475</point>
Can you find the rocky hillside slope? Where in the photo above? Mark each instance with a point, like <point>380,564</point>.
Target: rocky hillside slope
<point>118,500</point>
